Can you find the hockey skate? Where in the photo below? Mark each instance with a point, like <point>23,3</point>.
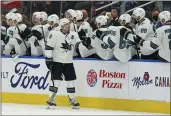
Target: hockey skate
<point>74,104</point>
<point>51,102</point>
<point>51,105</point>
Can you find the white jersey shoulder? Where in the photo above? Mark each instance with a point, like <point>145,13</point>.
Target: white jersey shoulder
<point>22,27</point>
<point>145,30</point>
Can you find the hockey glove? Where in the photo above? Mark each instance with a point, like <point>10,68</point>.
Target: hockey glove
<point>49,63</point>
<point>82,34</point>
<point>24,34</point>
<point>100,34</point>
<point>87,43</point>
<point>5,38</point>
<point>123,31</point>
<point>138,40</point>
<point>37,34</point>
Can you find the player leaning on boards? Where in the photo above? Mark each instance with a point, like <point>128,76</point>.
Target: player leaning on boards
<point>59,52</point>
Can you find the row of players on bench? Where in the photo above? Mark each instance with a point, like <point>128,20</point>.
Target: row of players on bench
<point>136,38</point>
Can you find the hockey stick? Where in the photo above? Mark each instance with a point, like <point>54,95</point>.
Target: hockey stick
<point>12,10</point>
<point>22,38</point>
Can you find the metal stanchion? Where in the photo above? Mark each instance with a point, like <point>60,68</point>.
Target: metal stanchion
<point>61,7</point>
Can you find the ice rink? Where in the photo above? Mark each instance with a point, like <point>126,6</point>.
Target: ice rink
<point>18,109</point>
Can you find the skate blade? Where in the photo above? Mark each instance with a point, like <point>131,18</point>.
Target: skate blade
<point>75,107</point>
<point>51,107</point>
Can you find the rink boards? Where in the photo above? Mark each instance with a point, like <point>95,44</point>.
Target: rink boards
<point>133,86</point>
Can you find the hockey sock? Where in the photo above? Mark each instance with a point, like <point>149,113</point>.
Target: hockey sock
<point>71,89</point>
<point>53,89</point>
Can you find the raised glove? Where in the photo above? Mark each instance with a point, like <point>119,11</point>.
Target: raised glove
<point>24,34</point>
<point>37,34</point>
<point>99,33</point>
<point>87,43</point>
<point>138,39</point>
<point>82,34</point>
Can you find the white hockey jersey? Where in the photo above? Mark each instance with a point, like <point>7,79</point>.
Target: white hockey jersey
<point>44,31</point>
<point>162,39</point>
<point>146,31</point>
<point>58,41</point>
<point>87,28</point>
<point>15,40</point>
<point>124,48</point>
<point>36,48</point>
<point>102,49</point>
<point>13,31</point>
<point>84,52</point>
<point>10,31</point>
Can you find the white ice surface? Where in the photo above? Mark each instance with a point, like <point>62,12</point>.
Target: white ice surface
<point>20,109</point>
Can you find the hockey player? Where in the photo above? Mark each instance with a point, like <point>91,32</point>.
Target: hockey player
<point>59,59</point>
<point>16,42</point>
<point>8,18</point>
<point>71,15</point>
<point>103,50</point>
<point>36,49</point>
<point>85,33</point>
<point>144,29</point>
<point>125,48</point>
<point>53,21</point>
<point>40,31</point>
<point>162,38</point>
<point>45,25</point>
<point>10,23</point>
<point>4,36</point>
<point>34,19</point>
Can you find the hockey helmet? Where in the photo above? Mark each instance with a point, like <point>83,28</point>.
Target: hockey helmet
<point>53,19</point>
<point>138,14</point>
<point>124,19</point>
<point>164,17</point>
<point>102,20</point>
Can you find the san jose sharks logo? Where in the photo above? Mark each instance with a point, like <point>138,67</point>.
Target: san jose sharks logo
<point>66,46</point>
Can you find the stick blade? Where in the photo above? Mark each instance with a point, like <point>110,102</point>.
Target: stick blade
<point>13,10</point>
